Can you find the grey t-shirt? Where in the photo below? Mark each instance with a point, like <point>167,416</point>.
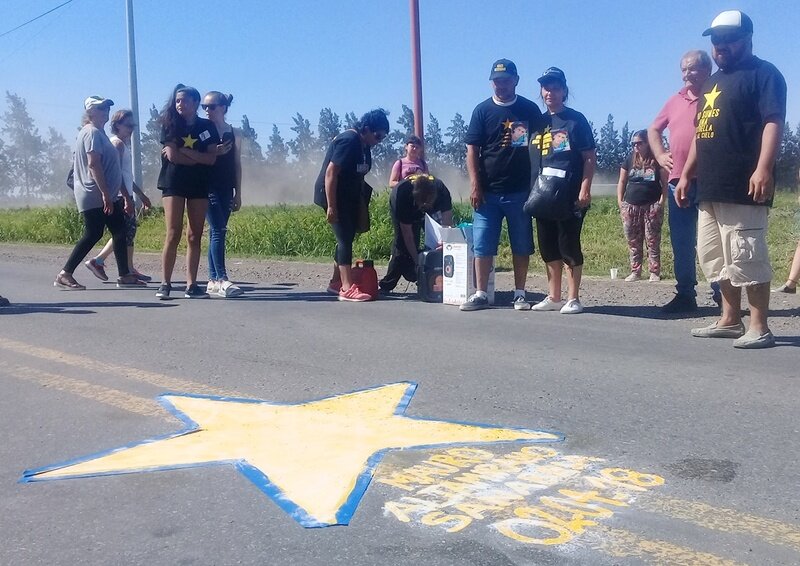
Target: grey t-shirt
<point>87,193</point>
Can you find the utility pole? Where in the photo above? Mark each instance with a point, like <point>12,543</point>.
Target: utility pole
<point>136,145</point>
<point>416,68</point>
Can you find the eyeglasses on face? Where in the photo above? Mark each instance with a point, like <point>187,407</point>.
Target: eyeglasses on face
<point>130,125</point>
<point>637,143</point>
<point>726,39</point>
<point>211,106</point>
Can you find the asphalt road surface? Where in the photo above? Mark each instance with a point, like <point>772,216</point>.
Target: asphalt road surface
<point>637,444</point>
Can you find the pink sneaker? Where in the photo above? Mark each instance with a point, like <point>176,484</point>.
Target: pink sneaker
<point>354,294</point>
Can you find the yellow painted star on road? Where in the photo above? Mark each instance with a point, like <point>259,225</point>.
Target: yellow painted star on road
<point>711,97</point>
<point>315,459</point>
<point>189,141</point>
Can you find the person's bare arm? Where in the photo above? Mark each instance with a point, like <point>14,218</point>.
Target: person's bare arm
<point>762,183</point>
<point>96,170</point>
<point>656,141</point>
<point>473,167</point>
<point>621,184</point>
<point>589,165</point>
<point>237,165</point>
<point>689,169</point>
<point>331,186</point>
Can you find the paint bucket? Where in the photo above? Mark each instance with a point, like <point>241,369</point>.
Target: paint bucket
<point>365,276</point>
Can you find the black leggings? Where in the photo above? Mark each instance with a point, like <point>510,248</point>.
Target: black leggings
<point>345,230</point>
<point>94,221</point>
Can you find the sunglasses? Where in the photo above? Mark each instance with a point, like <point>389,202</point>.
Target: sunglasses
<point>211,106</point>
<point>130,125</point>
<point>726,39</point>
<point>637,143</point>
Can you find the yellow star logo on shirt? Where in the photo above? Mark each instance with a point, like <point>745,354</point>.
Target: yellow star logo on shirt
<point>189,141</point>
<point>711,97</point>
<point>507,124</point>
<point>314,459</point>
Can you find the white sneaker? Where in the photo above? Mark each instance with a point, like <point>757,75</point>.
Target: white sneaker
<point>654,277</point>
<point>547,304</point>
<point>227,290</point>
<point>520,304</point>
<point>573,306</point>
<point>633,277</point>
<point>212,287</point>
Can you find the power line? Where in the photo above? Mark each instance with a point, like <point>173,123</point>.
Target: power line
<point>36,18</point>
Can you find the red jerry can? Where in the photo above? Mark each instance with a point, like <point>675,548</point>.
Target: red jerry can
<point>365,276</point>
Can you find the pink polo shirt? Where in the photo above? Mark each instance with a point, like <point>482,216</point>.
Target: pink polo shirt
<point>678,117</point>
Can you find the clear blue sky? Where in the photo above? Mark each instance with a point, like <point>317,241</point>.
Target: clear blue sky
<point>278,58</point>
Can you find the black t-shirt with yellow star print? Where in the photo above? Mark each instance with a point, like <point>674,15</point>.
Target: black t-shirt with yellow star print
<point>188,178</point>
<point>503,134</point>
<point>731,115</point>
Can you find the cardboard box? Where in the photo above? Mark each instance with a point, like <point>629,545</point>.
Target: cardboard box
<point>458,266</point>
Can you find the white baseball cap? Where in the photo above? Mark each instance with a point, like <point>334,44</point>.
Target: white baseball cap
<point>731,20</point>
<point>95,101</point>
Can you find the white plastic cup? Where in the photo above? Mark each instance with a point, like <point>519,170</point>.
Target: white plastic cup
<point>614,272</point>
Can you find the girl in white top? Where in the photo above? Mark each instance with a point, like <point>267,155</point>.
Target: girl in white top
<point>122,126</point>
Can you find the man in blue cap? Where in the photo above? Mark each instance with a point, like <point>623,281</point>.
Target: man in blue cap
<point>499,169</point>
<point>740,120</point>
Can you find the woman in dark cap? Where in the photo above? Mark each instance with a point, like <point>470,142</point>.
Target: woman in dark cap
<point>341,191</point>
<point>567,151</point>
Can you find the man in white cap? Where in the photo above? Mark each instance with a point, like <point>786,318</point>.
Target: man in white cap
<point>739,128</point>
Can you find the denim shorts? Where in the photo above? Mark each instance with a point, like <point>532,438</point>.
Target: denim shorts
<point>488,219</point>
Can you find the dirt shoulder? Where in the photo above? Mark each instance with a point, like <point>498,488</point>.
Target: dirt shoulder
<point>641,299</point>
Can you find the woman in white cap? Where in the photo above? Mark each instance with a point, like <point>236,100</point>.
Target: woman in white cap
<point>99,195</point>
<point>122,127</point>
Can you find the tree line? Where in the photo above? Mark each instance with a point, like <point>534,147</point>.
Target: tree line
<point>33,167</point>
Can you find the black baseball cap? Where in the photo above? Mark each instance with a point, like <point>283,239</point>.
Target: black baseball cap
<point>732,21</point>
<point>503,68</point>
<point>553,74</point>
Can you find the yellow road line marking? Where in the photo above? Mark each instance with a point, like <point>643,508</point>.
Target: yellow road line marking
<point>160,380</point>
<point>100,393</point>
<point>726,520</point>
<point>621,544</point>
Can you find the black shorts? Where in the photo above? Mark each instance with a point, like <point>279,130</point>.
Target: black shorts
<point>189,193</point>
<point>561,240</point>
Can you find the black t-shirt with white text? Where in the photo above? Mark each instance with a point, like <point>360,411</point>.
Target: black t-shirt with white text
<point>731,113</point>
<point>503,134</point>
<point>567,134</point>
<point>200,135</point>
<point>355,161</point>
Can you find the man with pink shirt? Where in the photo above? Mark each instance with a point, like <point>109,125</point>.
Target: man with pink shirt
<point>678,116</point>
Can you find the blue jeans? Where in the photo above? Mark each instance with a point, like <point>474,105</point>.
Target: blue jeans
<point>220,206</point>
<point>487,223</point>
<point>683,237</point>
